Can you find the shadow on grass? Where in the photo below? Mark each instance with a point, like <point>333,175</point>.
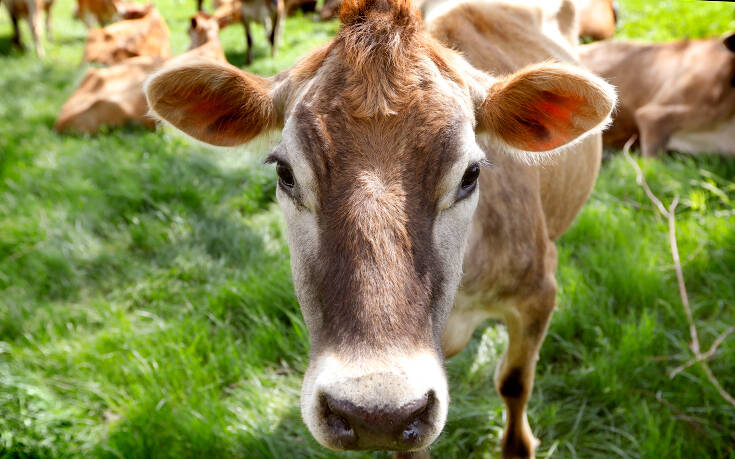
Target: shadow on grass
<point>237,58</point>
<point>70,40</point>
<point>7,47</point>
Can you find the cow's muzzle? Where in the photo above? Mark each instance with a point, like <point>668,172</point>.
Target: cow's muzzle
<point>377,426</point>
<point>395,405</point>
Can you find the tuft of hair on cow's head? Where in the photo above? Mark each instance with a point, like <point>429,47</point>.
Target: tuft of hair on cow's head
<point>378,169</point>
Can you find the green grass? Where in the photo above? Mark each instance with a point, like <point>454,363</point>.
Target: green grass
<point>146,305</point>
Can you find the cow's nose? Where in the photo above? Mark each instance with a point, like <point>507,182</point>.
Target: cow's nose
<point>354,426</point>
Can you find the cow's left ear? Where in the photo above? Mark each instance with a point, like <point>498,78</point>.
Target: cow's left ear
<point>730,42</point>
<point>544,107</point>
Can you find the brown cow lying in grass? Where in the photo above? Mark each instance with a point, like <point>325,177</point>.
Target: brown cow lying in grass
<point>390,220</point>
<point>30,10</point>
<point>146,35</point>
<point>678,95</point>
<point>113,96</point>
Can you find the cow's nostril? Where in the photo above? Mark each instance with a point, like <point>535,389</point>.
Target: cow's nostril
<point>340,429</point>
<point>412,432</point>
<point>378,426</point>
<point>420,420</point>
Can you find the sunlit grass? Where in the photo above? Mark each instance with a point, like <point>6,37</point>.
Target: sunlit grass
<point>146,306</point>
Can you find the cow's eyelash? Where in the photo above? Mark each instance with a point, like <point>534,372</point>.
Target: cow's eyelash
<point>276,155</point>
<point>484,162</point>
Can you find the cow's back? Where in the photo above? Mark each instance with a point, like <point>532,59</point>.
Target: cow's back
<point>501,38</point>
<point>694,76</point>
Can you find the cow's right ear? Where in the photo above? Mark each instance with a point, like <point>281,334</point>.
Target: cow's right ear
<point>730,42</point>
<point>216,103</point>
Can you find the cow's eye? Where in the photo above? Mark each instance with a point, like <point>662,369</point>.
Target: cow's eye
<point>469,181</point>
<point>285,176</point>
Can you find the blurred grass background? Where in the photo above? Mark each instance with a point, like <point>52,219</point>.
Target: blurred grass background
<point>146,305</point>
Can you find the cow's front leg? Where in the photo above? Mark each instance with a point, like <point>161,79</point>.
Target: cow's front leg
<point>656,125</point>
<point>526,321</point>
<point>49,26</point>
<point>16,33</point>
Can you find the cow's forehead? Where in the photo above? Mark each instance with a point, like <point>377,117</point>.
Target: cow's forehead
<point>419,143</point>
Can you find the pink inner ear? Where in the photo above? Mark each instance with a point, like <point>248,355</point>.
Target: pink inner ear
<point>551,114</point>
<point>555,110</point>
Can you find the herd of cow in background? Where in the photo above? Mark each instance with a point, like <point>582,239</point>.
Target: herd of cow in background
<point>677,95</point>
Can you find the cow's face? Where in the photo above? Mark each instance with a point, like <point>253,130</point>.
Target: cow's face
<point>378,167</point>
<point>378,210</point>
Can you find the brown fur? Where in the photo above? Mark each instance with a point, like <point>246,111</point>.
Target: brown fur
<point>144,36</point>
<point>102,12</point>
<point>665,88</point>
<point>597,19</point>
<point>375,232</point>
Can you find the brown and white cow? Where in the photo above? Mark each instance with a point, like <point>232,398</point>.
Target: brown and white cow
<point>270,13</point>
<point>678,95</point>
<point>30,10</point>
<point>144,35</point>
<point>385,131</point>
<point>113,96</point>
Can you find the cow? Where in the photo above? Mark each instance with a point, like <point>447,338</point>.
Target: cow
<point>30,10</point>
<point>270,13</point>
<point>113,96</point>
<point>145,35</point>
<point>421,165</point>
<point>675,96</point>
<point>103,12</point>
<point>597,19</point>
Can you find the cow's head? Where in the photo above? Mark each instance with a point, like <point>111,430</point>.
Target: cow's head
<point>202,29</point>
<point>378,167</point>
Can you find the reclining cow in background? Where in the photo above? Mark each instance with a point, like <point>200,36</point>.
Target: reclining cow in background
<point>145,35</point>
<point>113,96</point>
<point>678,95</point>
<point>385,132</point>
<point>270,13</point>
<point>30,10</point>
